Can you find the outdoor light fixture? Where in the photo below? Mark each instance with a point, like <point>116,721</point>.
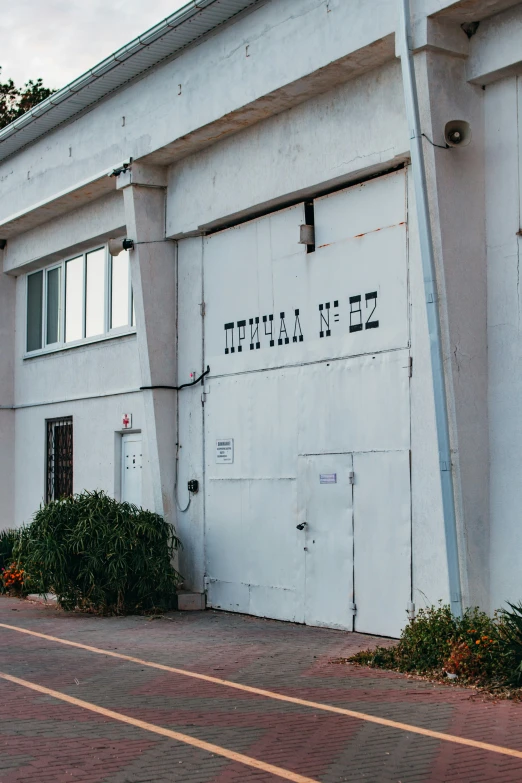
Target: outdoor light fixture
<point>117,245</point>
<point>306,234</point>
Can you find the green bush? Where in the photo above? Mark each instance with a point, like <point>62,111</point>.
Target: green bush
<point>510,632</point>
<point>473,647</point>
<point>97,554</point>
<point>8,539</point>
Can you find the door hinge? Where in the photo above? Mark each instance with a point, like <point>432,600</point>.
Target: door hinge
<point>206,583</point>
<point>410,366</point>
<point>351,477</point>
<point>202,309</point>
<point>353,608</point>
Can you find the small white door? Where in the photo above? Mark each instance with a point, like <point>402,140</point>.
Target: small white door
<point>131,468</point>
<point>325,510</point>
<point>382,529</point>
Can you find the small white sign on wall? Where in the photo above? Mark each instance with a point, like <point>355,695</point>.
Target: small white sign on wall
<point>328,478</point>
<point>225,450</point>
<point>126,421</point>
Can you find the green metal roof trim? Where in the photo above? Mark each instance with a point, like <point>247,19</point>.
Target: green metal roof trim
<point>166,39</point>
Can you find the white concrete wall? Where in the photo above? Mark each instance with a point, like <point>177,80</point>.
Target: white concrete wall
<point>7,419</point>
<point>288,41</point>
<point>314,100</point>
<point>66,235</point>
<point>191,523</point>
<point>325,141</point>
<point>96,449</point>
<point>95,382</point>
<point>430,570</point>
<point>503,197</point>
<point>456,186</point>
<point>89,382</point>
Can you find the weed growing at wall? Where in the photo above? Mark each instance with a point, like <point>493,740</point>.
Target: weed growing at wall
<point>477,649</point>
<point>97,554</point>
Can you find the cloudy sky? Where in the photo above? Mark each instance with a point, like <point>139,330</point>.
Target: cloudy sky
<point>61,39</point>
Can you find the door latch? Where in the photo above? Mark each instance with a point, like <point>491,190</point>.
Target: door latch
<point>301,526</point>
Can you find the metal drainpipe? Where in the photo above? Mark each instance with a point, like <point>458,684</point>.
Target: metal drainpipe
<point>432,310</point>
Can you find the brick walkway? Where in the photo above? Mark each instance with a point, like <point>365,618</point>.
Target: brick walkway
<point>46,741</point>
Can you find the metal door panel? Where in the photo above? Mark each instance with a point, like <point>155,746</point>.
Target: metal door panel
<point>334,380</point>
<point>274,304</point>
<point>360,209</point>
<point>238,265</point>
<point>131,469</point>
<point>382,525</point>
<point>252,542</point>
<point>279,603</point>
<point>230,596</point>
<point>359,404</point>
<point>327,538</point>
<point>260,413</point>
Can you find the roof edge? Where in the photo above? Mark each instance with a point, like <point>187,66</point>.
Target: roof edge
<point>179,18</point>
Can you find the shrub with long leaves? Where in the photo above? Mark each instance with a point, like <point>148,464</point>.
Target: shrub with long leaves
<point>95,553</point>
<point>8,539</point>
<point>510,632</point>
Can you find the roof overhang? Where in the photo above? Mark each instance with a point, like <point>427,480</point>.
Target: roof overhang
<point>162,42</point>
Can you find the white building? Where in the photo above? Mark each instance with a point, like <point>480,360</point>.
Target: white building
<point>209,141</point>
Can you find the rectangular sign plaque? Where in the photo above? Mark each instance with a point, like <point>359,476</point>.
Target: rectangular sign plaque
<point>328,478</point>
<point>225,450</point>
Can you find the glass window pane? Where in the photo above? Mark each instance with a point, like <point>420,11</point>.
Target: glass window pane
<point>74,299</point>
<point>34,311</point>
<point>120,290</point>
<point>95,297</point>
<point>53,305</point>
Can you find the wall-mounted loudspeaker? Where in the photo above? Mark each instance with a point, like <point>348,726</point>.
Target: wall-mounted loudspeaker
<point>457,133</point>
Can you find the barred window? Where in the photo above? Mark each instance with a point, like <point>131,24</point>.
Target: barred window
<point>59,458</point>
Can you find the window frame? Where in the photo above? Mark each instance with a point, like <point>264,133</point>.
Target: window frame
<point>42,324</point>
<point>61,308</point>
<point>61,344</point>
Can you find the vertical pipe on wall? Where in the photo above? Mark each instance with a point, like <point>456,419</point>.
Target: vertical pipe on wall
<point>432,309</point>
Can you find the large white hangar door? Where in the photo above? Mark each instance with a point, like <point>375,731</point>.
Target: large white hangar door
<point>307,417</point>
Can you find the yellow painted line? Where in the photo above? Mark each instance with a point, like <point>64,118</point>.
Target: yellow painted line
<point>240,758</point>
<point>281,697</point>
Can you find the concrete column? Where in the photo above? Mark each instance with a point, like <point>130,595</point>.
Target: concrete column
<point>457,204</point>
<point>153,276</point>
<point>7,415</point>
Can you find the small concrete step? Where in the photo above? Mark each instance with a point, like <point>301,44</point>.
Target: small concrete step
<point>191,602</point>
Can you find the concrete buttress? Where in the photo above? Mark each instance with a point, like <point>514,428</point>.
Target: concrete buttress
<point>152,263</point>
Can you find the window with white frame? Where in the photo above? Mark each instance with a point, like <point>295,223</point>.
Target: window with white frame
<point>83,297</point>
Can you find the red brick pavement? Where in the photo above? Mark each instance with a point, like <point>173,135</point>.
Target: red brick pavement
<point>46,741</point>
